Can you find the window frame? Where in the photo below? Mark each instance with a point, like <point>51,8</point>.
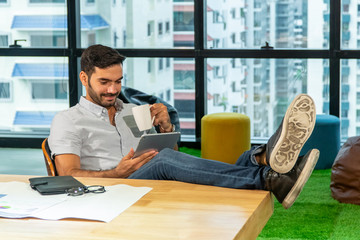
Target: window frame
<point>199,52</point>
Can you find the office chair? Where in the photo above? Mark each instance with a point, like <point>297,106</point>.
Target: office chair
<point>49,162</point>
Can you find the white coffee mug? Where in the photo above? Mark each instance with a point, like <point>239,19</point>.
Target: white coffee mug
<point>142,117</point>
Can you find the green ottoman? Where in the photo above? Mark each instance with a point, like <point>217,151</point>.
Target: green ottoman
<point>326,138</point>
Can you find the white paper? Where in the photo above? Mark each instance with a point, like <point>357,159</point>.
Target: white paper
<point>18,199</point>
<point>22,201</point>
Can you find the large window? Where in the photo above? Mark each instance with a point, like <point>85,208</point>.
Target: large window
<point>37,23</point>
<point>33,90</point>
<point>248,86</point>
<point>203,56</point>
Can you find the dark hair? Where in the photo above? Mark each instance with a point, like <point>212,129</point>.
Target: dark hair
<point>99,56</point>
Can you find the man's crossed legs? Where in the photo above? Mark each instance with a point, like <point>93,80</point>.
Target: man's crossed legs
<point>275,167</point>
<point>289,172</point>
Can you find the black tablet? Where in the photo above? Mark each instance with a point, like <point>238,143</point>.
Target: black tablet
<point>157,142</point>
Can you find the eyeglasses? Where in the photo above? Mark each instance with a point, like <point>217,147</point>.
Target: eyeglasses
<point>77,191</point>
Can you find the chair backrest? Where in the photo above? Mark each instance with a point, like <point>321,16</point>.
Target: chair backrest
<point>49,162</point>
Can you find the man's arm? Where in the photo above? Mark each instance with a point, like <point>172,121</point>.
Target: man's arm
<point>162,118</point>
<point>69,164</point>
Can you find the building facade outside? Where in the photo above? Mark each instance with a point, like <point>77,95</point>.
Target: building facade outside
<point>33,89</point>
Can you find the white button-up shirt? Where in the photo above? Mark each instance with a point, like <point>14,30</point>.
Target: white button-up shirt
<point>85,130</point>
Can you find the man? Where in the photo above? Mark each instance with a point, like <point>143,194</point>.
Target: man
<point>96,138</point>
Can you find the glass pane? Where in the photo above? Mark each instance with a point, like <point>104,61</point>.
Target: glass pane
<point>350,98</point>
<point>138,23</point>
<point>263,88</point>
<point>32,90</point>
<point>172,80</point>
<point>251,23</point>
<point>350,25</point>
<point>36,23</point>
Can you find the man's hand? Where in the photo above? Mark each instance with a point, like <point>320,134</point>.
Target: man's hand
<point>162,118</point>
<point>69,164</point>
<point>129,165</point>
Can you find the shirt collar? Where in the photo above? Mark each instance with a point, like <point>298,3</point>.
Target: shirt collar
<point>97,109</point>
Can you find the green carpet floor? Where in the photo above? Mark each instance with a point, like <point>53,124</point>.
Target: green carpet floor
<point>315,214</point>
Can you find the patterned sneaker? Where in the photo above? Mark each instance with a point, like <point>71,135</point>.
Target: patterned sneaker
<point>284,146</point>
<point>287,187</point>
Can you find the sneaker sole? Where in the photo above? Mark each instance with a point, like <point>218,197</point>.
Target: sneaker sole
<point>303,178</point>
<point>297,126</point>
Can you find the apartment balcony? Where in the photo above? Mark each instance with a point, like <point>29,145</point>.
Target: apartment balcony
<point>345,122</point>
<point>298,43</point>
<point>326,71</point>
<point>183,17</point>
<point>326,17</point>
<point>345,70</point>
<point>326,35</point>
<point>282,27</point>
<point>345,88</point>
<point>257,119</point>
<point>182,27</point>
<point>346,36</point>
<point>345,18</point>
<point>257,100</point>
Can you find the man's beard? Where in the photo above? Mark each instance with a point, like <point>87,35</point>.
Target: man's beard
<point>97,99</point>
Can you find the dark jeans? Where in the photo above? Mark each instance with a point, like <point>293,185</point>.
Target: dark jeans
<point>174,165</point>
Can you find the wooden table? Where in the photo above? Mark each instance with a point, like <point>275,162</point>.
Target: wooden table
<point>171,210</point>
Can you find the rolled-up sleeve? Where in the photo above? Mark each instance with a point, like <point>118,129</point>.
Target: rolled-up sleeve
<point>64,137</point>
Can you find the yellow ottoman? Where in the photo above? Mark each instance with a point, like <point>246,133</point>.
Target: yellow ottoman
<point>224,136</point>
